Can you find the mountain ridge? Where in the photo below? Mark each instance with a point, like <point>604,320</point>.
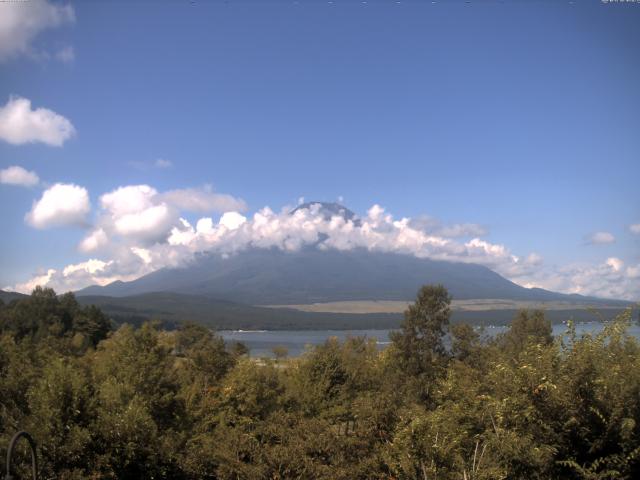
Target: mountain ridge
<point>311,275</point>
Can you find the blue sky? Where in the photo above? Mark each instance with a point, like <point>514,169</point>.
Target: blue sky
<point>520,118</point>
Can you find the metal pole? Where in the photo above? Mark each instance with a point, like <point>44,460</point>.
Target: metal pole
<point>34,458</point>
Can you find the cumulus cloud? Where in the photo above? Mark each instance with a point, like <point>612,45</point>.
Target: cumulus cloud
<point>40,279</point>
<point>72,277</point>
<point>635,228</point>
<point>22,22</point>
<point>601,238</point>
<point>611,278</point>
<point>150,222</point>
<point>62,204</point>
<point>232,220</point>
<point>19,124</point>
<point>16,175</point>
<point>128,255</point>
<point>129,199</point>
<point>94,241</point>
<point>135,211</point>
<point>139,215</point>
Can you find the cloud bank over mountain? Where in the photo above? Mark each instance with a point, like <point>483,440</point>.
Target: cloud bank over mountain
<point>139,230</point>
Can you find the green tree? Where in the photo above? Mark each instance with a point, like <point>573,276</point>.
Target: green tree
<point>139,412</point>
<point>61,404</point>
<point>527,327</point>
<point>418,345</point>
<point>465,343</point>
<point>59,319</point>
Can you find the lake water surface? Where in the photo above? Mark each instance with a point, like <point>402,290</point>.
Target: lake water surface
<point>261,342</point>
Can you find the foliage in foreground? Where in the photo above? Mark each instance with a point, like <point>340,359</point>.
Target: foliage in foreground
<point>144,403</point>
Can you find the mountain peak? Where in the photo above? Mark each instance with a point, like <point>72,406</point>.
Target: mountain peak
<point>328,210</point>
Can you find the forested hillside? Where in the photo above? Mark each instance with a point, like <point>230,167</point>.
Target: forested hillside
<point>146,403</point>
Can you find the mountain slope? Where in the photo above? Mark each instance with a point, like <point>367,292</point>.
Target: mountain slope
<point>7,297</point>
<point>267,277</point>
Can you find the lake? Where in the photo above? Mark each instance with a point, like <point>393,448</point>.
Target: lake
<point>261,342</point>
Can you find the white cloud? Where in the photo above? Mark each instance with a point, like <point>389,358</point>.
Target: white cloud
<point>143,253</point>
<point>135,211</point>
<point>601,238</point>
<point>129,211</point>
<point>90,266</point>
<point>42,279</point>
<point>61,204</point>
<point>635,228</point>
<point>22,21</point>
<point>203,200</point>
<point>138,215</point>
<point>71,277</point>
<point>129,199</point>
<point>182,234</point>
<point>232,220</point>
<point>377,231</point>
<point>609,279</point>
<point>19,124</point>
<point>94,241</point>
<point>615,263</point>
<point>16,175</point>
<point>151,222</point>
<point>162,163</point>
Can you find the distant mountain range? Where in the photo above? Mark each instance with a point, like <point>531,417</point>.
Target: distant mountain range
<point>310,275</point>
<point>7,297</point>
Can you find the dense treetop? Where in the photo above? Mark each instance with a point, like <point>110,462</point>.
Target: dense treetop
<point>146,403</point>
